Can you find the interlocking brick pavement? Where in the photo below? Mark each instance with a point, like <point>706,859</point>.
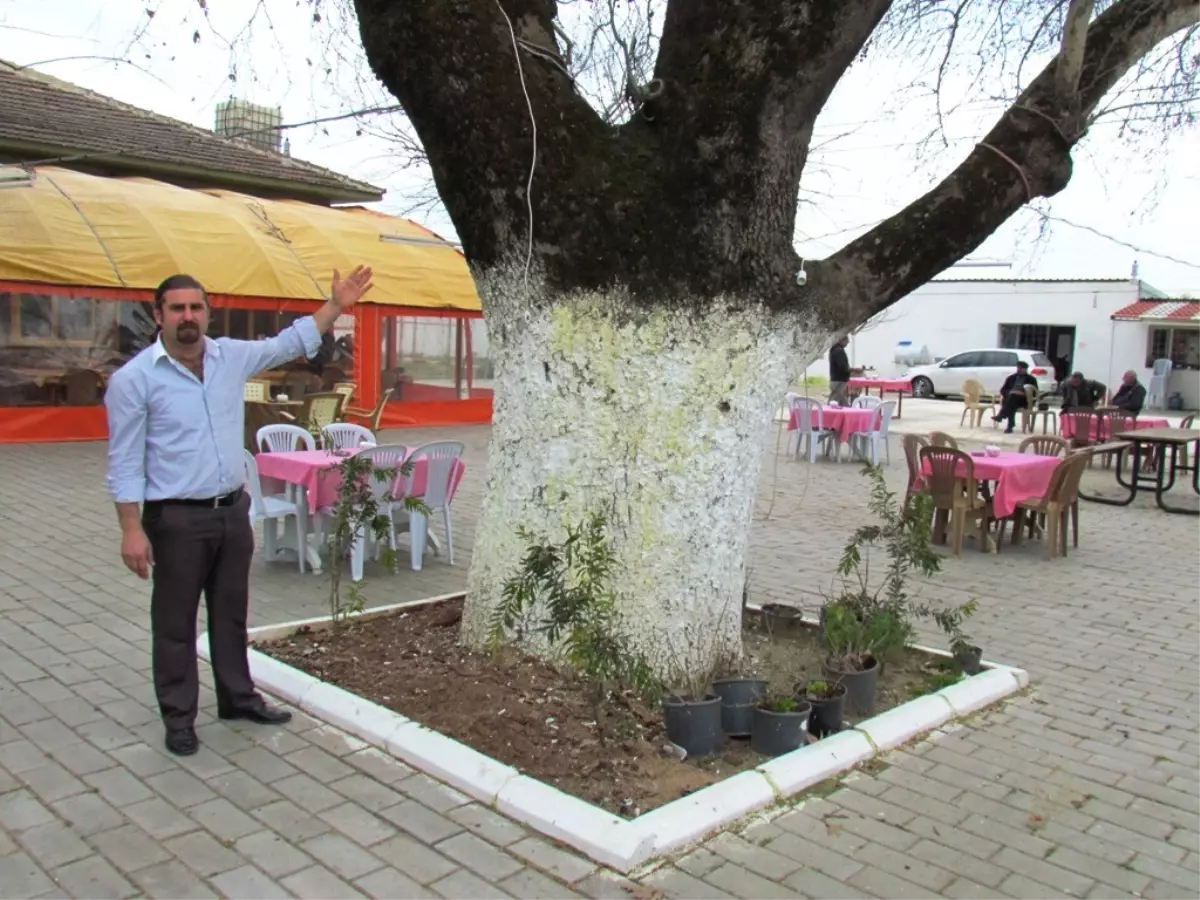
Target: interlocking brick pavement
<point>1087,786</point>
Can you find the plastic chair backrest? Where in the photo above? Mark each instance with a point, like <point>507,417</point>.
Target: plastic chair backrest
<point>253,485</point>
<point>283,439</point>
<point>913,444</point>
<point>385,456</point>
<point>972,390</point>
<point>1079,423</point>
<point>883,421</point>
<point>943,479</point>
<point>322,409</point>
<point>806,411</point>
<point>941,439</point>
<point>1044,445</point>
<point>863,401</point>
<point>256,391</point>
<point>345,436</point>
<point>1162,368</point>
<point>441,457</point>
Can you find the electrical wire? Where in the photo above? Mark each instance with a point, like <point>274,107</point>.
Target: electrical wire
<point>533,157</point>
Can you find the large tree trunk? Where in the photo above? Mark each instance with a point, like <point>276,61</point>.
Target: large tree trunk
<point>658,419</point>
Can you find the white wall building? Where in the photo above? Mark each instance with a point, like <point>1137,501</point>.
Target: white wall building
<point>1072,322</point>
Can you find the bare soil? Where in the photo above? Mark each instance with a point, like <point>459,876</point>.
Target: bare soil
<point>539,719</point>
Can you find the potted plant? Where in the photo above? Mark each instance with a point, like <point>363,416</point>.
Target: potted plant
<point>858,639</point>
<point>693,720</point>
<point>780,725</point>
<point>781,618</point>
<point>738,698</point>
<point>827,701</point>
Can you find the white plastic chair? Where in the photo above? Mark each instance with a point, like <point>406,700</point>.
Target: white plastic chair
<point>1156,391</point>
<point>389,456</point>
<point>345,436</point>
<point>441,458</point>
<point>808,412</point>
<point>866,443</point>
<point>270,510</point>
<point>283,439</point>
<point>865,401</point>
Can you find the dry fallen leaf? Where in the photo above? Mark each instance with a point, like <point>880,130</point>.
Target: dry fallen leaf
<point>642,892</point>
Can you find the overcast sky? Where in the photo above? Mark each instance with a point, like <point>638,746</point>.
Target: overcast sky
<point>870,162</point>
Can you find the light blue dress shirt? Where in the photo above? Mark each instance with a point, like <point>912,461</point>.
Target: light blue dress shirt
<point>171,436</point>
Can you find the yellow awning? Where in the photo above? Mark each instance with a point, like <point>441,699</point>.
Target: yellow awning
<point>71,228</point>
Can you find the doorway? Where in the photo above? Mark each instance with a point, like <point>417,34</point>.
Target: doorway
<point>1056,341</point>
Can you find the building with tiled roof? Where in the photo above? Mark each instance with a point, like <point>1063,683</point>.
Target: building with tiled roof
<point>45,120</point>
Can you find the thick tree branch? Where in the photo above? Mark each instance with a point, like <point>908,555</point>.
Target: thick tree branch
<point>1074,43</point>
<point>453,66</point>
<point>1026,155</point>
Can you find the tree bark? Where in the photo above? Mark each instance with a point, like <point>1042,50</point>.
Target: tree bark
<point>658,421</point>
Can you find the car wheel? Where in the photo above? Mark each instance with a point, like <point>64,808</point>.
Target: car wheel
<point>922,387</point>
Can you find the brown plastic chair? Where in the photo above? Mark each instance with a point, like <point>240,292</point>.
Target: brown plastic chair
<point>1053,508</point>
<point>83,387</point>
<point>371,416</point>
<point>975,402</point>
<point>1027,416</point>
<point>941,439</point>
<point>1045,445</point>
<point>318,411</point>
<point>955,497</point>
<point>913,444</point>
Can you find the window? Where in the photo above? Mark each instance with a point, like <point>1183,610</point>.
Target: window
<point>1040,359</point>
<point>998,359</point>
<point>1180,345</point>
<point>963,361</point>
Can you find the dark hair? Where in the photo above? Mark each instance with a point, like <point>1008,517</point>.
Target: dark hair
<point>177,283</point>
<point>1021,364</point>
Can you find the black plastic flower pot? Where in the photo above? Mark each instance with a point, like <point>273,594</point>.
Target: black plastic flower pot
<point>969,658</point>
<point>860,685</point>
<point>738,697</point>
<point>827,713</point>
<point>775,733</point>
<point>780,618</point>
<point>695,725</point>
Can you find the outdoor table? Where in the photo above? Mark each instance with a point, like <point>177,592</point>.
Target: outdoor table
<point>1131,423</point>
<point>845,420</point>
<point>1159,444</point>
<point>898,386</point>
<point>1018,476</point>
<point>313,470</point>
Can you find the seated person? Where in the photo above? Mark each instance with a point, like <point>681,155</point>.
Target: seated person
<point>1013,392</point>
<point>1131,395</point>
<point>1081,393</point>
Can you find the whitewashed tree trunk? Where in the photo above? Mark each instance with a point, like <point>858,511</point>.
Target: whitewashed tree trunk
<point>662,414</point>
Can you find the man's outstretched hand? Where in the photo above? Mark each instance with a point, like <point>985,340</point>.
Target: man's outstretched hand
<point>349,290</point>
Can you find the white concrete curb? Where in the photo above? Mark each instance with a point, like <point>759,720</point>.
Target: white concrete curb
<point>622,844</point>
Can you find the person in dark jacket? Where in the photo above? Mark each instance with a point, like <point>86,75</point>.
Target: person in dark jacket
<point>1013,392</point>
<point>839,373</point>
<point>1081,393</point>
<point>1131,395</point>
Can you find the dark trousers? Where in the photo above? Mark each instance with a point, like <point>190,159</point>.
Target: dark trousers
<point>1009,406</point>
<point>200,549</point>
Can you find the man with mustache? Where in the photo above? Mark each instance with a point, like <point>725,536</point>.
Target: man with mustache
<point>175,469</point>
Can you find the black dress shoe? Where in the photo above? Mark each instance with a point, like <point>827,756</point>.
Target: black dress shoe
<point>182,741</point>
<point>263,715</point>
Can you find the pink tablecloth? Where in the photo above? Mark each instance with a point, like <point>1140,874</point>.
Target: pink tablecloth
<point>1068,426</point>
<point>844,420</point>
<point>313,470</point>
<point>1018,476</point>
<point>883,384</point>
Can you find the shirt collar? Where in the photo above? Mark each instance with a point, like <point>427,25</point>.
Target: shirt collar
<point>159,350</point>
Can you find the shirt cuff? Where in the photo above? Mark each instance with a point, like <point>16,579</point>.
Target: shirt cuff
<point>309,334</point>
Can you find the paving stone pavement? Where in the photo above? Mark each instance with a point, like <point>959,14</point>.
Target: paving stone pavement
<point>1088,786</point>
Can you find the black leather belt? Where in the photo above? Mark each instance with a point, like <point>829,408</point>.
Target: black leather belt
<point>211,502</point>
